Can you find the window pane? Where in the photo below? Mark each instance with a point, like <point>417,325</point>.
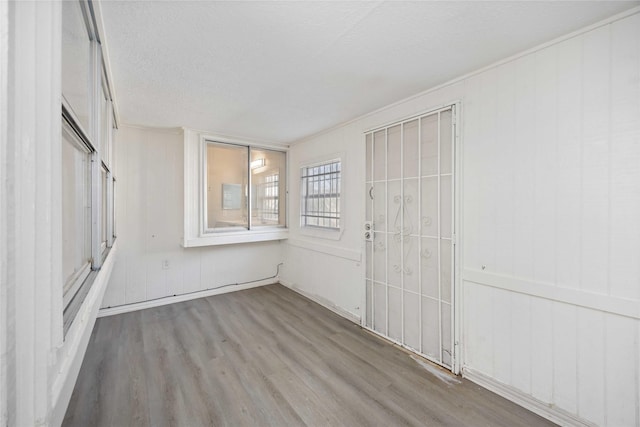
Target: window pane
<point>76,54</point>
<point>226,195</point>
<point>320,195</point>
<point>104,181</point>
<point>268,186</point>
<point>76,207</point>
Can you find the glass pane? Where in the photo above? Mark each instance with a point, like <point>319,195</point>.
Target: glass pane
<point>446,333</point>
<point>379,207</point>
<point>379,156</point>
<point>411,221</point>
<point>430,328</point>
<point>429,145</point>
<point>446,152</point>
<point>369,159</point>
<point>429,264</point>
<point>379,257</point>
<point>395,313</point>
<point>445,206</point>
<point>380,308</point>
<point>76,54</point>
<point>268,187</point>
<point>368,319</point>
<point>411,266</point>
<point>394,214</point>
<point>105,131</point>
<point>394,275</point>
<point>410,149</point>
<point>103,180</point>
<point>429,218</point>
<point>445,270</point>
<point>394,153</point>
<point>227,190</point>
<point>76,207</point>
<point>412,320</point>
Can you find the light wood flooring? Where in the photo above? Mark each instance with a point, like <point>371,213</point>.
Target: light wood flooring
<point>265,356</point>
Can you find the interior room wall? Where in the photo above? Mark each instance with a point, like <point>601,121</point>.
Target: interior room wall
<point>550,277</point>
<point>149,221</point>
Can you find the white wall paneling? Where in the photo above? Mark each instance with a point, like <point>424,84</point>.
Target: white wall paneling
<point>149,216</point>
<point>550,242</point>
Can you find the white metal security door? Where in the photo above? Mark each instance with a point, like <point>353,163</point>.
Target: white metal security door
<point>410,233</point>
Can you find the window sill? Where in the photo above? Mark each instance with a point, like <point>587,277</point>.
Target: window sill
<point>235,237</point>
<point>321,233</point>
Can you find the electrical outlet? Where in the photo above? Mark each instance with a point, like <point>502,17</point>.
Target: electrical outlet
<point>165,264</point>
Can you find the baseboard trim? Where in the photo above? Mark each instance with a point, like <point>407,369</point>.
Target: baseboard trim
<point>545,410</point>
<point>323,302</point>
<point>180,298</point>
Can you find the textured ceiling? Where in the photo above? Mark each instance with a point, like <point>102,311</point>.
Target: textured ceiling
<point>279,71</point>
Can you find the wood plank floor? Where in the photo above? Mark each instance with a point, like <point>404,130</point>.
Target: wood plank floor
<point>265,356</point>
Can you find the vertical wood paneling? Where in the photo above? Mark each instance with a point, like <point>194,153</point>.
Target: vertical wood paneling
<point>564,356</point>
<point>620,380</point>
<point>502,333</point>
<point>545,170</point>
<point>485,156</point>
<point>595,159</point>
<point>505,189</point>
<point>542,367</point>
<point>524,152</point>
<point>520,341</point>
<point>625,157</point>
<point>569,172</point>
<point>472,106</point>
<point>591,365</point>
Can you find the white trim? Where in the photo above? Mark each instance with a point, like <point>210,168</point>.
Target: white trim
<point>335,251</point>
<point>110,311</point>
<point>76,341</point>
<point>235,237</point>
<point>104,47</point>
<point>577,297</point>
<point>546,410</point>
<point>459,79</point>
<point>324,302</point>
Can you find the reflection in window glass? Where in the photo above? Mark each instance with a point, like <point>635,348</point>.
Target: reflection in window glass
<point>268,184</point>
<point>226,190</point>
<point>76,208</point>
<point>76,57</point>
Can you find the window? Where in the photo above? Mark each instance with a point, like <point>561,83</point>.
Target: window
<point>244,187</point>
<point>320,195</point>
<point>76,206</point>
<point>87,181</point>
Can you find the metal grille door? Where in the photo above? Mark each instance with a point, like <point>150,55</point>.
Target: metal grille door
<point>409,249</point>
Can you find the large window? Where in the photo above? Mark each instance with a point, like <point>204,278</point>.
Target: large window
<point>244,187</point>
<point>87,180</point>
<point>320,195</point>
<point>76,206</point>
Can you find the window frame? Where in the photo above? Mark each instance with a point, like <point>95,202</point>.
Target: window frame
<point>321,231</point>
<point>97,135</point>
<point>194,174</point>
<point>250,208</point>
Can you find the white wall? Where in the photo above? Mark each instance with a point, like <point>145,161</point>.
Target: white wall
<point>149,221</point>
<point>551,200</point>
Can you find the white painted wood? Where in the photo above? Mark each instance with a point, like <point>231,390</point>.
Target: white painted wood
<point>160,301</point>
<point>550,209</point>
<point>150,170</point>
<point>555,414</point>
